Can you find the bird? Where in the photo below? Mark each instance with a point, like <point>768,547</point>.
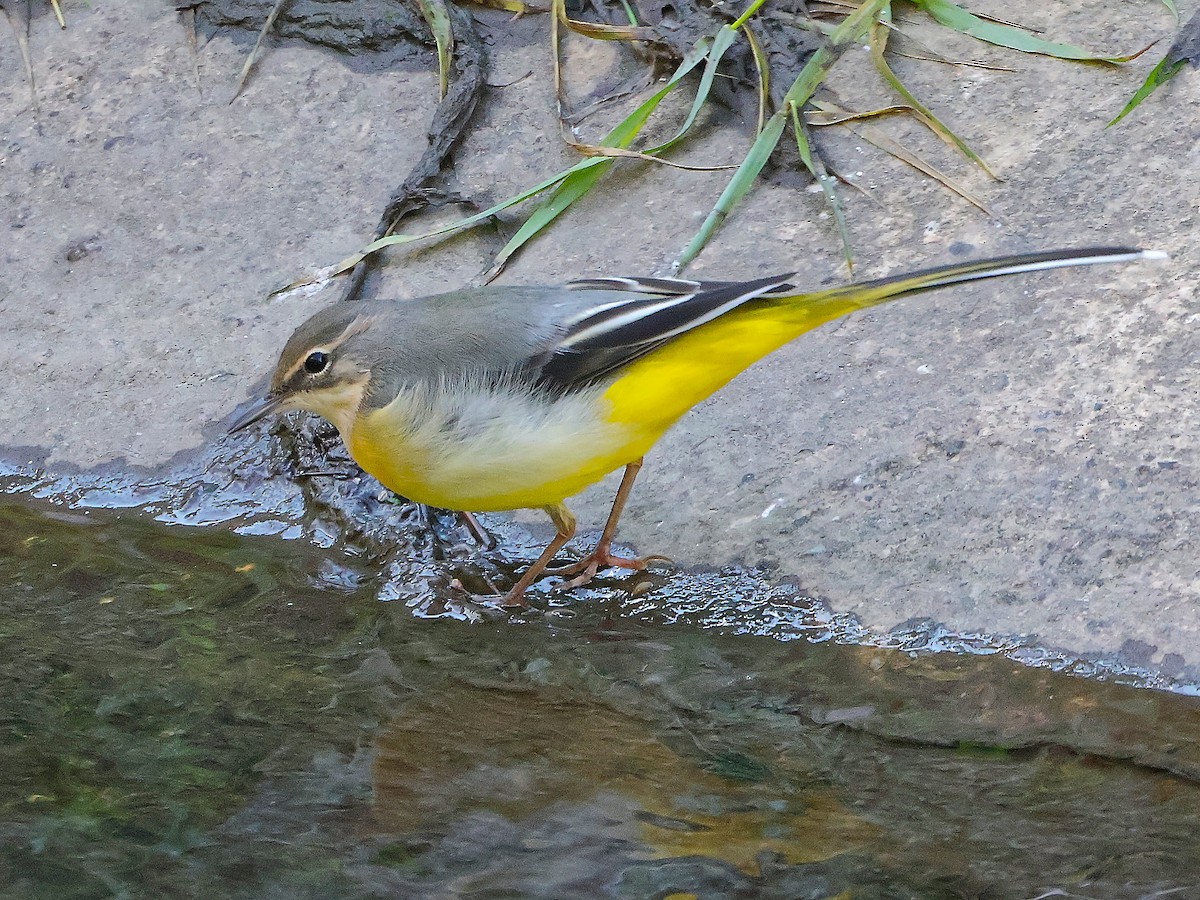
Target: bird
<point>497,398</point>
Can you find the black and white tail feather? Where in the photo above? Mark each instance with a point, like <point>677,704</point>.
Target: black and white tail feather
<point>610,335</point>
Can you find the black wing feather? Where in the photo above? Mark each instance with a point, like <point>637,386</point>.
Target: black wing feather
<point>615,334</point>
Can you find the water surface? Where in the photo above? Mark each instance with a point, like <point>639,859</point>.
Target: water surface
<point>191,712</point>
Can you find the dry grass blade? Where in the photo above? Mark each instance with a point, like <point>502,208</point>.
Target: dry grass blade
<point>965,63</point>
<point>879,36</point>
<point>558,13</point>
<point>250,60</point>
<point>825,117</point>
<point>621,153</point>
<point>62,23</point>
<point>437,17</point>
<point>741,182</point>
<point>602,32</point>
<point>18,18</point>
<point>873,135</point>
<point>763,70</point>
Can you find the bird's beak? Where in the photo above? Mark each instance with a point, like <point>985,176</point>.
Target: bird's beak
<point>260,409</point>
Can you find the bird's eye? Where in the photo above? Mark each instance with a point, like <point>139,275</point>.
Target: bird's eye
<point>316,362</point>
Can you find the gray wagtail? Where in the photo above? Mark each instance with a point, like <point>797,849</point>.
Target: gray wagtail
<point>499,398</point>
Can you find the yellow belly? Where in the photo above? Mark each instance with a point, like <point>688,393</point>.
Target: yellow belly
<point>511,452</point>
<point>485,449</point>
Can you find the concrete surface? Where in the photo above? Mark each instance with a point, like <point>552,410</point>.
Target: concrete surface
<point>1018,457</point>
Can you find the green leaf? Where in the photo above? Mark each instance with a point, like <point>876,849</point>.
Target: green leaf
<point>762,65</point>
<point>745,17</point>
<point>1159,75</point>
<point>953,16</point>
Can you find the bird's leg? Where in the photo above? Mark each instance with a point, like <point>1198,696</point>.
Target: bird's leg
<point>428,518</point>
<point>564,521</point>
<point>482,536</point>
<point>603,557</point>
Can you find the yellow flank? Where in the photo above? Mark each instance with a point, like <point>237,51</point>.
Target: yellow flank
<point>485,449</point>
<point>488,450</point>
<point>653,392</point>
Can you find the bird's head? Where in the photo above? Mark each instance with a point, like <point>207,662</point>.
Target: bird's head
<point>324,368</point>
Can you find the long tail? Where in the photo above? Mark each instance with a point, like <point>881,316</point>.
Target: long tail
<point>654,389</point>
<point>872,293</point>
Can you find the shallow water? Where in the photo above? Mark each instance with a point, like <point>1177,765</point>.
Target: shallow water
<point>190,712</point>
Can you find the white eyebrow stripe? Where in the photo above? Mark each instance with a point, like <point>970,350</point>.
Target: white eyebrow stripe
<point>355,326</point>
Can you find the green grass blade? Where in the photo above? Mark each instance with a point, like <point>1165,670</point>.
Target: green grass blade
<point>802,89</point>
<point>1159,75</point>
<point>721,43</point>
<point>745,17</point>
<point>574,186</point>
<point>577,184</point>
<point>743,179</point>
<point>816,166</point>
<point>953,16</point>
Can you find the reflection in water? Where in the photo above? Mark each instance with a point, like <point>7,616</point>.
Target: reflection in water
<point>194,712</point>
<point>519,752</point>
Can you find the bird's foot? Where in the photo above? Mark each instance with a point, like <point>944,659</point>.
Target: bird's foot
<point>601,558</point>
<point>514,600</point>
<point>583,571</point>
